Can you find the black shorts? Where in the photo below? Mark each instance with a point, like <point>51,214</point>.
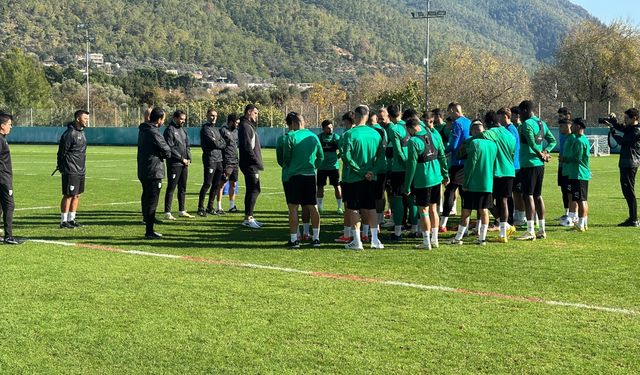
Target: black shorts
<point>579,190</point>
<point>472,200</point>
<point>563,182</point>
<point>427,196</point>
<point>72,185</point>
<point>517,182</point>
<point>502,187</point>
<point>233,174</point>
<point>300,190</point>
<point>363,196</point>
<point>532,178</point>
<point>397,183</point>
<point>333,175</point>
<point>380,185</point>
<point>347,192</point>
<point>456,175</point>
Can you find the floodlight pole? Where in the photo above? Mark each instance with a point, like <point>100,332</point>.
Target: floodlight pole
<point>87,39</point>
<point>420,15</point>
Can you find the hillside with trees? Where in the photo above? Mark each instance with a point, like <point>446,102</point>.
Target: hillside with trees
<point>299,40</point>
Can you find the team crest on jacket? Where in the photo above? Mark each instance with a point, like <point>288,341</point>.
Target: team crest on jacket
<point>72,188</point>
<point>10,192</point>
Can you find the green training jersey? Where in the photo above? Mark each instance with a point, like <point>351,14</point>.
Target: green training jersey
<point>421,173</point>
<point>381,162</point>
<point>302,153</point>
<point>479,166</point>
<point>399,141</point>
<point>529,131</point>
<point>577,163</point>
<point>567,151</point>
<point>388,129</point>
<point>506,145</point>
<point>330,146</point>
<point>342,144</point>
<point>361,149</point>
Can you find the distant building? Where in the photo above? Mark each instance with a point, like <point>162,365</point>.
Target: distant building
<point>96,58</point>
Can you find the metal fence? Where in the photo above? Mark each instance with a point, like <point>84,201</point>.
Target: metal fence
<point>271,116</point>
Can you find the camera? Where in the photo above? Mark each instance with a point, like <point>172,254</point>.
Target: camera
<point>610,121</point>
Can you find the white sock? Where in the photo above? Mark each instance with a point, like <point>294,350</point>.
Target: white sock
<point>543,226</point>
<point>426,237</point>
<point>461,231</point>
<point>586,221</point>
<point>531,226</point>
<point>356,236</point>
<point>503,229</point>
<point>305,229</point>
<point>434,235</point>
<point>573,216</point>
<point>72,216</point>
<point>397,230</point>
<point>347,232</point>
<point>232,203</point>
<point>63,217</point>
<point>445,219</point>
<point>365,230</point>
<point>566,212</point>
<point>293,237</point>
<point>482,232</point>
<point>339,203</point>
<point>316,234</point>
<point>319,202</point>
<point>478,224</point>
<point>374,236</point>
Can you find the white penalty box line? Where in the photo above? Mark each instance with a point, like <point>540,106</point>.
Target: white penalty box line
<point>352,278</point>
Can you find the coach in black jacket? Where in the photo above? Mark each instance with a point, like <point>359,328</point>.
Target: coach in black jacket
<point>178,165</point>
<point>250,162</point>
<point>212,145</point>
<point>72,156</point>
<point>6,180</point>
<point>629,162</point>
<point>152,150</point>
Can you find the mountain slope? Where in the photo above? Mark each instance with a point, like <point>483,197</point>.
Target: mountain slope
<point>295,39</point>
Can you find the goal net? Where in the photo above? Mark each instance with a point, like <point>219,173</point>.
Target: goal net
<point>599,145</point>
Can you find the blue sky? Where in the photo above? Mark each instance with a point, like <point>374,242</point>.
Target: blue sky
<point>609,10</point>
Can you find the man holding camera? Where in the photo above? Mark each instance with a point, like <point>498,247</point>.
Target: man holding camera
<point>629,162</point>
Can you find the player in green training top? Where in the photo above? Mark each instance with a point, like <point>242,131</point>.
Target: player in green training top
<point>576,162</point>
<point>533,155</point>
<point>504,172</point>
<point>301,155</point>
<point>426,170</point>
<point>397,152</point>
<point>348,122</point>
<point>477,188</point>
<point>362,147</point>
<point>329,169</point>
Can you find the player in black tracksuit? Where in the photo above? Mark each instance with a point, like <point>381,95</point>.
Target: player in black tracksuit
<point>229,133</point>
<point>71,162</point>
<point>250,162</point>
<point>212,145</point>
<point>6,180</point>
<point>178,165</point>
<point>152,150</point>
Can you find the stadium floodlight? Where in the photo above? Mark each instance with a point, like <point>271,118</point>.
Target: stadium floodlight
<point>87,57</point>
<point>428,15</point>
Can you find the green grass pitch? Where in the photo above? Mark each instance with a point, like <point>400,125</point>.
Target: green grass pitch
<point>80,310</point>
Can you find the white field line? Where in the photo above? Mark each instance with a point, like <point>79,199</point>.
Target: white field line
<point>438,288</point>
